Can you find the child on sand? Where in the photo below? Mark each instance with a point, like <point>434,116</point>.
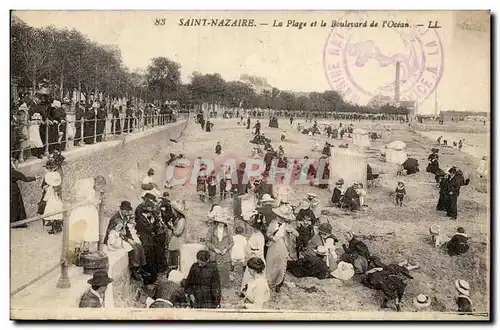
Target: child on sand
<point>238,250</point>
<point>400,193</point>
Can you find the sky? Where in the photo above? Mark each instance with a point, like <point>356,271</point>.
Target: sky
<point>293,59</point>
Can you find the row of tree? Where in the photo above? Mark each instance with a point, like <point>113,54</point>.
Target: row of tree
<point>69,61</point>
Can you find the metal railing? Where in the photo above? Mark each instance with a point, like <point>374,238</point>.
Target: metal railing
<point>68,134</point>
<point>64,281</point>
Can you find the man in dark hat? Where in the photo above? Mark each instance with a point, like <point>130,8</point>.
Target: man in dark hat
<point>137,257</point>
<point>153,235</point>
<point>94,297</point>
<point>455,182</point>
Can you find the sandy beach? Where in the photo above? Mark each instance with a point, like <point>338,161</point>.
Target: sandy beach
<point>476,144</point>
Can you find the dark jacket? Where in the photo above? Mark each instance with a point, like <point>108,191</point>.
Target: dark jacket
<point>204,284</point>
<point>90,300</point>
<point>309,266</point>
<point>150,233</point>
<point>267,212</point>
<point>458,244</point>
<point>170,291</point>
<point>337,193</point>
<point>455,183</point>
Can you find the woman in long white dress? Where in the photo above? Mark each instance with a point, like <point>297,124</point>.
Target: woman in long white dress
<point>277,253</point>
<point>35,141</point>
<point>254,249</point>
<point>84,219</point>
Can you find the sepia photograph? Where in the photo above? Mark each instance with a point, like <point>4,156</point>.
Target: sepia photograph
<point>250,165</point>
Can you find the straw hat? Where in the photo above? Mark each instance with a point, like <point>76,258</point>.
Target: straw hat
<point>36,116</point>
<point>222,218</point>
<point>421,301</point>
<point>267,198</point>
<point>53,179</point>
<point>340,182</point>
<point>321,250</point>
<point>215,212</point>
<point>175,276</point>
<point>462,287</point>
<point>178,207</point>
<point>435,229</point>
<point>311,194</point>
<point>23,107</point>
<point>56,104</point>
<point>284,212</point>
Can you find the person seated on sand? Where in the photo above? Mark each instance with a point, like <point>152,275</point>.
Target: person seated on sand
<point>337,192</point>
<point>464,303</point>
<point>458,243</point>
<point>311,265</point>
<point>168,291</point>
<point>411,165</point>
<point>354,244</point>
<point>148,183</point>
<point>358,262</point>
<point>350,199</point>
<point>324,232</point>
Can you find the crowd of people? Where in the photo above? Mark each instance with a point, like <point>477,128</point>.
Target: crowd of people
<point>40,123</point>
<point>280,235</point>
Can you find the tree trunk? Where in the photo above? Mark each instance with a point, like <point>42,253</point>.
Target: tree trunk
<point>62,86</point>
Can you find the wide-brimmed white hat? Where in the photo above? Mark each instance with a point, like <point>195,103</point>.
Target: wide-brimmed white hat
<point>53,179</point>
<point>267,198</point>
<point>36,116</point>
<point>303,205</point>
<point>217,210</point>
<point>221,218</point>
<point>311,194</point>
<point>23,107</point>
<point>462,287</point>
<point>421,301</point>
<point>178,207</point>
<point>321,250</point>
<point>435,229</point>
<point>175,276</point>
<point>285,212</point>
<point>56,104</point>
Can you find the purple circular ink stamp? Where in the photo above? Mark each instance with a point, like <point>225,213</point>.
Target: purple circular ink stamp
<point>390,61</point>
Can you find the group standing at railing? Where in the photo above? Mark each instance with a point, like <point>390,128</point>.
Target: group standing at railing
<point>41,124</point>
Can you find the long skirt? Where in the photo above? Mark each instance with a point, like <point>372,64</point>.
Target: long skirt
<point>443,202</point>
<point>276,259</point>
<point>224,268</point>
<point>17,210</point>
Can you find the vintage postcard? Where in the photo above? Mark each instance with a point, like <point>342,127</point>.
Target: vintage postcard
<point>250,165</point>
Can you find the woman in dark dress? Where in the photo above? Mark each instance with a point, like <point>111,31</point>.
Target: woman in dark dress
<point>116,126</point>
<point>101,123</point>
<point>17,210</point>
<point>89,126</point>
